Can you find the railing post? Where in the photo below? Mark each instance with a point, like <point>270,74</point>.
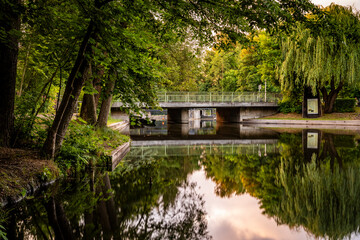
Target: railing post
<point>232,96</point>
<point>166,100</point>
<point>210,97</point>
<point>188,97</point>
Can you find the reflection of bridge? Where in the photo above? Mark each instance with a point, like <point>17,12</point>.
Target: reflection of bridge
<point>180,142</point>
<point>204,148</point>
<point>230,106</point>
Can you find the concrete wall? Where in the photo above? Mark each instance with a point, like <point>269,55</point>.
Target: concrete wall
<point>256,112</point>
<point>117,114</point>
<point>238,114</point>
<point>228,114</point>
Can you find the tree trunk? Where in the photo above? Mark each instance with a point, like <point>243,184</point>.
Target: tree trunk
<point>58,220</point>
<point>329,99</point>
<point>72,91</point>
<point>106,104</point>
<point>88,109</point>
<point>88,106</point>
<point>10,21</point>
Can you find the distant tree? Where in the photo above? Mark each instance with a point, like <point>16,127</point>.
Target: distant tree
<point>181,65</point>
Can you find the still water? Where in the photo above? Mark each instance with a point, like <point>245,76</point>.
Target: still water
<point>202,181</point>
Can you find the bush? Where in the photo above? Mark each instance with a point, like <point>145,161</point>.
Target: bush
<point>290,106</point>
<point>85,145</point>
<point>345,105</point>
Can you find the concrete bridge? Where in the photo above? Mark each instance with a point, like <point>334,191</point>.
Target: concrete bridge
<point>230,106</point>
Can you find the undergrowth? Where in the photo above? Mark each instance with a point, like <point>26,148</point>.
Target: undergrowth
<point>84,145</point>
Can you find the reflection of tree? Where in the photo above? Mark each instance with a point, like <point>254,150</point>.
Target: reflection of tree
<point>223,171</point>
<point>325,202</point>
<point>144,201</point>
<point>319,195</point>
<point>236,174</point>
<point>329,148</point>
<point>160,202</point>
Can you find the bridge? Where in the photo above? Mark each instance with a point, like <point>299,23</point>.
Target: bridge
<point>230,106</point>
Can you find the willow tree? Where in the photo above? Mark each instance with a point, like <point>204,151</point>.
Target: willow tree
<point>324,54</point>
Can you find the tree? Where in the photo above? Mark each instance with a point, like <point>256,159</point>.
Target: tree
<point>100,20</point>
<point>182,65</point>
<point>323,54</point>
<point>9,37</point>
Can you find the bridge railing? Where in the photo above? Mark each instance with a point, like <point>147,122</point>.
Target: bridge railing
<point>218,97</point>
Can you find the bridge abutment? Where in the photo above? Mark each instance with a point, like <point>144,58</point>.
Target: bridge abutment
<point>238,114</point>
<point>227,114</point>
<point>178,115</point>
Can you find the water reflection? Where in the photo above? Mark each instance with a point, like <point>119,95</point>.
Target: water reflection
<point>281,184</point>
<point>141,203</point>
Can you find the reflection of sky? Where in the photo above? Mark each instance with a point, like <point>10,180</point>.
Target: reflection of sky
<point>239,217</point>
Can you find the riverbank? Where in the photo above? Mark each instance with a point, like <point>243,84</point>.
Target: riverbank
<point>294,120</point>
<point>330,116</point>
<point>24,171</point>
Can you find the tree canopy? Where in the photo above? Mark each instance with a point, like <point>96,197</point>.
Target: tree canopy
<point>323,54</point>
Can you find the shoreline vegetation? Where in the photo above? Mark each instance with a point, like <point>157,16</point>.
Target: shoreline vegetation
<point>24,170</point>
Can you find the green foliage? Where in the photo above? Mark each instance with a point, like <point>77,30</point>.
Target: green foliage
<point>290,106</point>
<point>242,67</point>
<point>2,233</point>
<point>323,53</point>
<point>344,105</point>
<point>182,66</point>
<point>3,219</point>
<point>85,146</point>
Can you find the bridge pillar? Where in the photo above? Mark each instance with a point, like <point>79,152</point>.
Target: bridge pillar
<point>178,115</point>
<point>194,114</point>
<point>226,114</point>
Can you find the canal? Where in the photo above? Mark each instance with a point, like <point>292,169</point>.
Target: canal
<point>202,181</point>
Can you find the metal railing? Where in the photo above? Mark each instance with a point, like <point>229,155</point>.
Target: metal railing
<point>218,97</point>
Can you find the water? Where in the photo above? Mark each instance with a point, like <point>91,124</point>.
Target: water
<point>202,181</point>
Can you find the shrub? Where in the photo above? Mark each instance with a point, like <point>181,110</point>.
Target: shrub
<point>290,106</point>
<point>345,105</point>
<point>85,145</point>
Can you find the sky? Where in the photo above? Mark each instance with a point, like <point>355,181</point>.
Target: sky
<point>324,3</point>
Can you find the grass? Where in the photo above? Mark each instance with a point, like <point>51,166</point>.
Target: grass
<point>331,116</point>
<point>113,120</point>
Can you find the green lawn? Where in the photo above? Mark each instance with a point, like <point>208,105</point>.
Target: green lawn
<point>112,120</point>
<point>332,116</point>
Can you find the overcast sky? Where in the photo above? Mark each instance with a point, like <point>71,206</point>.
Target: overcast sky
<point>353,3</point>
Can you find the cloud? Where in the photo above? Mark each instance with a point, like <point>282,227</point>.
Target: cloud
<point>226,231</point>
